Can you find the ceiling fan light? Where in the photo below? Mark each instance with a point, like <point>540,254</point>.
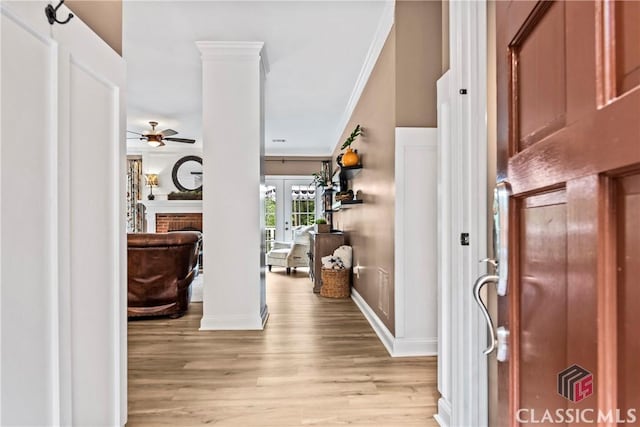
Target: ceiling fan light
<point>155,143</point>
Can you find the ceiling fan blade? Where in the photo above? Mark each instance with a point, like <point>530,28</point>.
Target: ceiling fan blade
<point>130,131</point>
<point>168,132</point>
<point>135,137</point>
<point>185,140</point>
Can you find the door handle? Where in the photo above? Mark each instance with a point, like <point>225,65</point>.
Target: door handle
<point>503,344</point>
<point>499,338</point>
<point>477,287</point>
<point>501,195</point>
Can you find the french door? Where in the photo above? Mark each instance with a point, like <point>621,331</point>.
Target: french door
<point>301,205</point>
<point>569,146</point>
<point>290,202</point>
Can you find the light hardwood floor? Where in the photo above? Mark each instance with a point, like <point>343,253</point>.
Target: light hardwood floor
<point>317,362</point>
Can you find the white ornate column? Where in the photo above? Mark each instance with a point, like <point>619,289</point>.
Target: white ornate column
<point>233,138</point>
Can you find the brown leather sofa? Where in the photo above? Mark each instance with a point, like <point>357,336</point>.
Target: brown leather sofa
<point>161,267</point>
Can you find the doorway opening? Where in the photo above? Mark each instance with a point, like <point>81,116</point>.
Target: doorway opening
<point>290,210</point>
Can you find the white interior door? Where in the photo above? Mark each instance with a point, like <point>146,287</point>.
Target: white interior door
<point>62,223</point>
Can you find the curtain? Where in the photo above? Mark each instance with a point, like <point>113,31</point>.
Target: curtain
<point>135,214</point>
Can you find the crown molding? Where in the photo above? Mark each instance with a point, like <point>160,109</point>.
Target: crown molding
<point>299,152</point>
<point>303,158</point>
<point>380,37</point>
<point>225,51</point>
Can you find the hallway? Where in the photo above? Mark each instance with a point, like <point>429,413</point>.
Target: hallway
<point>318,362</point>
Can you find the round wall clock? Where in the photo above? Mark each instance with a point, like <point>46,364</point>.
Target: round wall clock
<point>187,173</point>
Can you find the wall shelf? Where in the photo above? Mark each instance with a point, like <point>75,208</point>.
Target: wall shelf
<point>351,171</point>
<point>345,204</point>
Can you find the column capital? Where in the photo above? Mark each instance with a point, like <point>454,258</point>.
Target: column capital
<point>221,51</point>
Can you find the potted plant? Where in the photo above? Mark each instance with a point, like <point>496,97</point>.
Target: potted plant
<point>322,226</point>
<point>321,179</point>
<point>350,157</point>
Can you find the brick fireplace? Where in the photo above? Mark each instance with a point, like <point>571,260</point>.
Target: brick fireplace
<point>172,215</point>
<point>166,222</point>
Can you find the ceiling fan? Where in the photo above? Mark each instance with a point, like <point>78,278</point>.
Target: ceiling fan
<point>156,138</point>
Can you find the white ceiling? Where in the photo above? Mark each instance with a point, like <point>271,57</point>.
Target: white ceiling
<point>315,51</point>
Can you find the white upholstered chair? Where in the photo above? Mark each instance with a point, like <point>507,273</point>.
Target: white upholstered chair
<point>291,254</point>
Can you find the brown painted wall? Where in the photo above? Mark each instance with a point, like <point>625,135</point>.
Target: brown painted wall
<point>102,16</point>
<point>293,165</point>
<point>370,226</point>
<point>418,62</point>
<point>401,92</point>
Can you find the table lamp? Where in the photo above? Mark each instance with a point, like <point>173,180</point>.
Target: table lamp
<point>152,181</point>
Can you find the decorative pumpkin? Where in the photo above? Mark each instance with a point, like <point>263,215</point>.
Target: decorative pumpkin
<point>350,158</point>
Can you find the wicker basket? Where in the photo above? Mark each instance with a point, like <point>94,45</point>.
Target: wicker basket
<point>342,197</point>
<point>335,283</point>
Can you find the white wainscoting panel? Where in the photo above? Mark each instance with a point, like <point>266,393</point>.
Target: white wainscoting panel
<point>63,248</point>
<point>416,332</point>
<point>28,218</point>
<point>92,230</point>
<point>416,257</point>
<point>94,253</point>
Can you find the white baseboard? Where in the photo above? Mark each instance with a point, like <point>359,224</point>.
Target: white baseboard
<point>378,327</point>
<point>408,347</point>
<point>443,417</point>
<point>233,322</point>
<point>396,347</point>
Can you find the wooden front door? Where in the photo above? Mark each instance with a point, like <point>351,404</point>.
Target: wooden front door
<point>569,144</point>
